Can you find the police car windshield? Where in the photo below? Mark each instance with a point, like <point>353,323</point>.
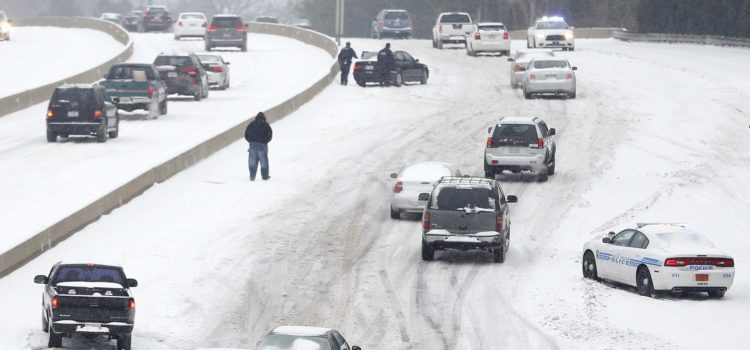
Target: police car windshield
<point>685,240</point>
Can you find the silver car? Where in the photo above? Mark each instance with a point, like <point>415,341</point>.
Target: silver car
<point>302,337</point>
<point>217,70</point>
<point>414,179</point>
<point>549,76</point>
<point>519,144</point>
<point>521,60</point>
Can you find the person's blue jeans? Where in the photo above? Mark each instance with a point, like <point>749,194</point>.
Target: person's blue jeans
<point>258,153</point>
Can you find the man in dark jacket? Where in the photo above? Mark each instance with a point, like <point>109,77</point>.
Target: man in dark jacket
<point>258,133</point>
<point>345,62</point>
<point>385,64</point>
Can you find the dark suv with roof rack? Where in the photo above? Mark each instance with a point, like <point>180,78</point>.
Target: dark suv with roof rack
<point>466,213</point>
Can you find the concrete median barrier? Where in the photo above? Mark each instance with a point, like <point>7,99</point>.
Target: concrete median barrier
<point>580,33</point>
<point>64,228</point>
<point>26,99</point>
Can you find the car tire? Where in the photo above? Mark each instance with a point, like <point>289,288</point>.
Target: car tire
<point>434,44</point>
<point>55,340</point>
<point>205,91</point>
<point>163,109</point>
<point>572,96</point>
<point>716,293</point>
<point>439,44</point>
<point>588,266</point>
<point>176,38</point>
<point>528,44</point>
<point>51,136</point>
<point>199,95</point>
<point>45,324</point>
<point>542,177</point>
<point>527,95</point>
<point>399,80</point>
<point>395,214</point>
<point>101,136</point>
<point>571,49</point>
<point>424,78</point>
<point>428,251</point>
<point>551,166</point>
<point>115,133</point>
<point>208,47</point>
<point>361,83</point>
<point>505,53</point>
<point>643,282</point>
<point>244,47</point>
<point>498,255</point>
<point>124,341</point>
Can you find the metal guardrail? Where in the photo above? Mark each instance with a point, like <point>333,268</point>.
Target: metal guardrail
<point>28,98</point>
<point>681,38</point>
<point>49,237</point>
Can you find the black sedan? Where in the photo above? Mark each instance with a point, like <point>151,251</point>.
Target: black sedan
<point>407,69</point>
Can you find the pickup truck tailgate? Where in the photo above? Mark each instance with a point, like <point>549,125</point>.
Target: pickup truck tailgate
<point>93,308</point>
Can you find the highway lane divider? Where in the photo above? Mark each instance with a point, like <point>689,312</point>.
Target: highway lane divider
<point>28,98</point>
<point>48,238</point>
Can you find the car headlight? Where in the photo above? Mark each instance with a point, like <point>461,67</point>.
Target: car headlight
<point>5,27</point>
<point>569,35</point>
<point>540,36</point>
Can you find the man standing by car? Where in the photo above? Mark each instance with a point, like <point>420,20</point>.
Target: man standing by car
<point>345,61</point>
<point>385,64</point>
<point>258,133</point>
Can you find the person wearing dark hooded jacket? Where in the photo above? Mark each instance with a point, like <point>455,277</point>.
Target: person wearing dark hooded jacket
<point>258,133</point>
<point>386,63</point>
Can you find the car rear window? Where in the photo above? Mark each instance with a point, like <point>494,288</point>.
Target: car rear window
<point>527,56</point>
<point>677,240</point>
<point>75,97</point>
<point>226,22</point>
<point>156,11</point>
<point>514,134</point>
<point>177,61</point>
<point>552,25</point>
<point>192,16</point>
<point>82,273</point>
<point>396,15</point>
<point>290,342</point>
<point>459,198</point>
<point>425,172</point>
<point>493,28</point>
<point>455,18</point>
<point>549,64</point>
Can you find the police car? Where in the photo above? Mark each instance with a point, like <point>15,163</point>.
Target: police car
<point>659,257</point>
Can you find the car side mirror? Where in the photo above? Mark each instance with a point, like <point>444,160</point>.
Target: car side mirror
<point>356,348</point>
<point>489,130</point>
<point>424,196</point>
<point>394,176</point>
<point>115,100</point>
<point>611,233</point>
<point>523,69</point>
<point>512,199</point>
<point>132,282</point>
<point>105,76</point>
<point>40,279</point>
<point>607,240</point>
<point>510,59</point>
<point>552,132</point>
<point>575,68</point>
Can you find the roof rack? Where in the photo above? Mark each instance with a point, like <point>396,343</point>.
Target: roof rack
<point>465,180</point>
<point>676,224</point>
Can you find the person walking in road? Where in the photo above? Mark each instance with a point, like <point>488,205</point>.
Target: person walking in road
<point>258,133</point>
<point>345,62</point>
<point>385,64</point>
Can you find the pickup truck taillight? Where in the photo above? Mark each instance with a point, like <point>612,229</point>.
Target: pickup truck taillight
<point>150,91</point>
<point>54,303</point>
<point>540,142</point>
<point>477,36</point>
<point>506,36</point>
<point>50,114</point>
<point>398,187</point>
<point>499,223</point>
<point>132,305</point>
<point>426,221</point>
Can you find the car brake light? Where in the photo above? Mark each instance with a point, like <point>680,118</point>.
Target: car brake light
<point>426,221</point>
<point>241,28</point>
<point>189,70</point>
<point>719,262</point>
<point>211,28</point>
<point>398,187</point>
<point>54,303</point>
<point>97,114</point>
<point>477,36</point>
<point>489,142</point>
<point>90,265</point>
<point>540,142</point>
<point>50,114</point>
<point>517,68</point>
<point>570,76</point>
<point>506,36</point>
<point>132,304</point>
<point>532,76</point>
<point>218,69</point>
<point>499,223</point>
<point>357,67</point>
<point>150,91</point>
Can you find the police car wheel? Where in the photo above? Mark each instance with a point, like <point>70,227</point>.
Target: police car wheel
<point>589,266</point>
<point>643,282</point>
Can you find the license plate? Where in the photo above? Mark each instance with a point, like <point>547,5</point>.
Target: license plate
<point>492,36</point>
<point>93,325</point>
<point>172,74</point>
<point>701,277</point>
<point>227,35</point>
<point>73,114</point>
<point>369,67</point>
<point>514,150</point>
<point>551,76</point>
<point>193,24</point>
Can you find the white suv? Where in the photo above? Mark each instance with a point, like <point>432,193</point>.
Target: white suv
<point>519,144</point>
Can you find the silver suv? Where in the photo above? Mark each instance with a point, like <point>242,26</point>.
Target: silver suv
<point>519,144</point>
<point>466,213</point>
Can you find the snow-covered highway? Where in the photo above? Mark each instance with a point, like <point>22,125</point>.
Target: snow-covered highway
<point>654,135</point>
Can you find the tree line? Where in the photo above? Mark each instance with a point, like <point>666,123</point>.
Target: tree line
<point>700,17</point>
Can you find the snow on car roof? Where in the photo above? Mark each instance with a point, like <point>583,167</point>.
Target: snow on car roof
<point>301,330</point>
<point>654,228</point>
<point>428,171</point>
<point>517,120</point>
<point>82,284</point>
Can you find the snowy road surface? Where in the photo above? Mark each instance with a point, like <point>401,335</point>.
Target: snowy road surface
<point>220,260</point>
<point>41,183</point>
<point>36,56</point>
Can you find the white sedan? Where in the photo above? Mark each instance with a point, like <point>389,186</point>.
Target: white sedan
<point>414,179</point>
<point>488,38</point>
<point>545,76</point>
<point>659,257</point>
<point>190,24</point>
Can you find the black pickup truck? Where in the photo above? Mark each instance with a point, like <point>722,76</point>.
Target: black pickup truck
<point>87,299</point>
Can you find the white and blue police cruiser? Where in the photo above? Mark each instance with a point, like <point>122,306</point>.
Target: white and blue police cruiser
<point>659,258</point>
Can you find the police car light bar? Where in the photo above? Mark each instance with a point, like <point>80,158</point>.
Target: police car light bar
<point>642,224</point>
